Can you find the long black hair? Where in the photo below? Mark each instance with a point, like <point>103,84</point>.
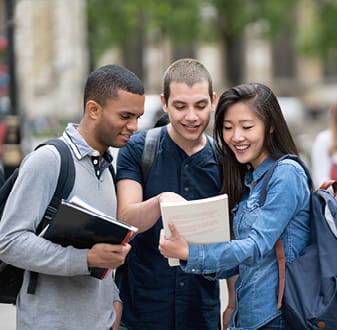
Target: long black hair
<point>277,139</point>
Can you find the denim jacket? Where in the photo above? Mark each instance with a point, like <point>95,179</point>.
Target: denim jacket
<point>251,254</point>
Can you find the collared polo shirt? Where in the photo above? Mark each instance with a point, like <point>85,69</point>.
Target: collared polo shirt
<point>81,149</point>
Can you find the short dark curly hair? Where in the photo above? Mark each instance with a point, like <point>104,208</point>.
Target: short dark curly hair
<point>104,83</point>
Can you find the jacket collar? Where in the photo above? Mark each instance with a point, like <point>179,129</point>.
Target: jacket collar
<point>254,175</point>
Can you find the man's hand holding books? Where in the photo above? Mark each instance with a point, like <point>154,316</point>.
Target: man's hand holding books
<point>107,255</point>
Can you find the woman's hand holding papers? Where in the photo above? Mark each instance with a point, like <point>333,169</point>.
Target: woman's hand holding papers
<point>173,247</point>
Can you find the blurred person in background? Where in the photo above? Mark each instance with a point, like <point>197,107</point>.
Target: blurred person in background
<point>324,152</point>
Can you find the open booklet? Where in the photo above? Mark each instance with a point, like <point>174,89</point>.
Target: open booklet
<point>79,224</point>
<point>201,221</point>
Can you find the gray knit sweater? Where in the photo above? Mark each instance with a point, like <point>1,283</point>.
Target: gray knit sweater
<point>67,297</point>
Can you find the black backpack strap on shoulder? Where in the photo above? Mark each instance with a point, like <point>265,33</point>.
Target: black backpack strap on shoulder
<point>270,172</point>
<point>151,144</point>
<point>64,186</point>
<point>65,181</point>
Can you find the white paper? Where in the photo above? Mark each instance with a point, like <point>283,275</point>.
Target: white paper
<point>202,221</point>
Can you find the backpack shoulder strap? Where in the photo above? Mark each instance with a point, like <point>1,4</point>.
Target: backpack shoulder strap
<point>270,172</point>
<point>279,248</point>
<point>65,181</point>
<point>64,186</point>
<point>151,144</point>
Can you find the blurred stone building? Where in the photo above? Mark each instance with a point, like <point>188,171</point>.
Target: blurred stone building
<point>51,57</point>
<point>52,63</point>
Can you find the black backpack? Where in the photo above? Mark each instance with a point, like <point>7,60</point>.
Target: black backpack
<point>310,289</point>
<point>10,276</point>
<point>151,145</point>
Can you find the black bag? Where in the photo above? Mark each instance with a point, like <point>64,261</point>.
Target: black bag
<point>10,276</point>
<point>151,145</point>
<point>310,292</point>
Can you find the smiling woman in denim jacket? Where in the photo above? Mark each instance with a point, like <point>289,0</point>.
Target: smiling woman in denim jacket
<point>251,133</point>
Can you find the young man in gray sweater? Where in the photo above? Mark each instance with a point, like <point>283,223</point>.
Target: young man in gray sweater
<point>67,297</point>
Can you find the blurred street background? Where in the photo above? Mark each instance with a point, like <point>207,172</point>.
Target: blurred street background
<point>48,47</point>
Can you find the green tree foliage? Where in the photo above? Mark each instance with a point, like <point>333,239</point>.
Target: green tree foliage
<point>318,37</point>
<point>124,24</point>
<point>117,23</point>
<point>232,18</point>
